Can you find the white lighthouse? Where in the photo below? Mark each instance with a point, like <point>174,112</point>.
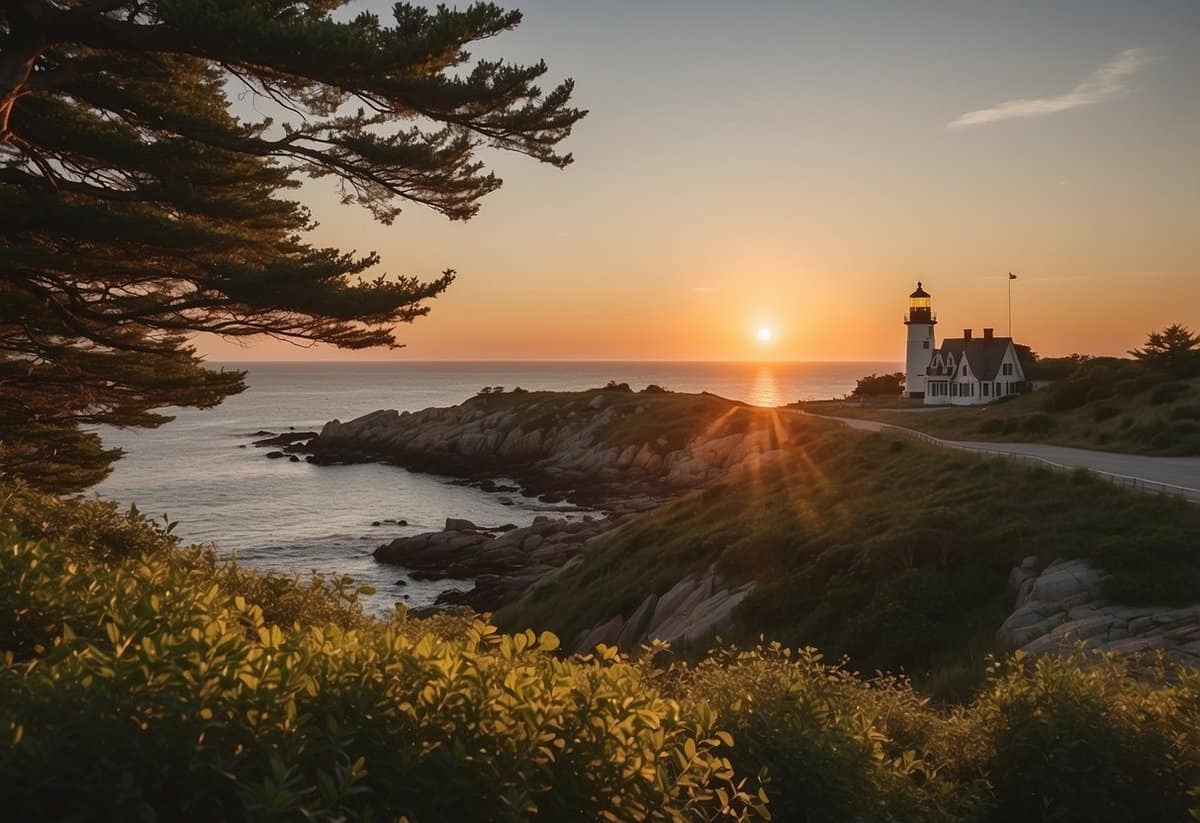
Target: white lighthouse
<point>920,322</point>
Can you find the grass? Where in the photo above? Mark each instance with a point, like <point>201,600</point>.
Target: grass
<point>881,548</point>
<point>1106,403</point>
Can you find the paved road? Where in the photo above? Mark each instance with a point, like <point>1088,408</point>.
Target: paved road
<point>1150,473</point>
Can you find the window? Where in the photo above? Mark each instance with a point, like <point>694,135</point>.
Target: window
<point>985,389</point>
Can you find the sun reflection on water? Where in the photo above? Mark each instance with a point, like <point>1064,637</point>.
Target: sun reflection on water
<point>765,389</point>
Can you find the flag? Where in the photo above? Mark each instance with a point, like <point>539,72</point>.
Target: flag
<point>1012,276</point>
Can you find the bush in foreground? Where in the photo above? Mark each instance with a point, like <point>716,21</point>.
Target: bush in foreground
<point>150,683</point>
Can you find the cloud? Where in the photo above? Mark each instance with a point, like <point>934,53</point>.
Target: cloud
<point>1102,83</point>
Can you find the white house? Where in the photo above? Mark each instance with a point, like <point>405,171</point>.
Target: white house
<point>962,371</point>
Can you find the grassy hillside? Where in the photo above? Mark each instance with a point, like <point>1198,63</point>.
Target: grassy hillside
<point>1105,403</point>
<point>144,681</point>
<point>880,547</point>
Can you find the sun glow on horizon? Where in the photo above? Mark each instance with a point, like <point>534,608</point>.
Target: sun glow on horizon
<point>765,334</point>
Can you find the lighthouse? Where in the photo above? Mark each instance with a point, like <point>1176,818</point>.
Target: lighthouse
<point>920,322</point>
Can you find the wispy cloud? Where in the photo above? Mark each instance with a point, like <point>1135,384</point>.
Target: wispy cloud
<point>1102,83</point>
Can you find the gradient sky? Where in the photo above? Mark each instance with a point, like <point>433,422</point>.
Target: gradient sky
<point>799,165</point>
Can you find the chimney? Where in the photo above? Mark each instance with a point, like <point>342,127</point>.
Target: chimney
<point>966,334</point>
<point>988,334</point>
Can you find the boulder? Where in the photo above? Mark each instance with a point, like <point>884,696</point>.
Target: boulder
<point>634,630</point>
<point>458,524</point>
<point>605,633</point>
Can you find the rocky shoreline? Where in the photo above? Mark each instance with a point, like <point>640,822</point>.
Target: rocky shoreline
<point>504,563</point>
<point>613,449</point>
<point>616,449</point>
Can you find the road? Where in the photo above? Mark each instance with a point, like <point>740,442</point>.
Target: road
<point>1172,475</point>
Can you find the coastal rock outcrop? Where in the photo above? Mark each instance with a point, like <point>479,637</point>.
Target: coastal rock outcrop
<point>503,564</point>
<point>597,447</point>
<point>691,611</point>
<point>1062,605</point>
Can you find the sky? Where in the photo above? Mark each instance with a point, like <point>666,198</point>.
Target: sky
<point>798,166</point>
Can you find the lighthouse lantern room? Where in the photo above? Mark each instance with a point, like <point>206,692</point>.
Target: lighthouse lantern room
<point>920,322</point>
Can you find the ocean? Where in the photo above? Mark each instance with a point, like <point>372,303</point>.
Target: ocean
<point>294,518</point>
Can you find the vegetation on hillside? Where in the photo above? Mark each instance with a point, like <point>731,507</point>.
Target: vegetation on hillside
<point>137,209</point>
<point>141,680</point>
<point>872,545</point>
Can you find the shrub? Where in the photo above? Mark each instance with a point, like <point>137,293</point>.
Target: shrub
<point>145,684</point>
<point>1185,413</point>
<point>1102,413</point>
<point>654,388</point>
<point>879,385</point>
<point>1068,739</point>
<point>613,385</point>
<point>1037,423</point>
<point>1168,393</point>
<point>200,709</point>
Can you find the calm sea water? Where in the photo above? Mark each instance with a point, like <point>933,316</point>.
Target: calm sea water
<point>295,517</point>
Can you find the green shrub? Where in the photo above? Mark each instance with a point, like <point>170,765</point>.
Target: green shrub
<point>1067,739</point>
<point>198,708</point>
<point>1168,393</point>
<point>1185,413</point>
<point>145,685</point>
<point>1102,413</point>
<point>1037,423</point>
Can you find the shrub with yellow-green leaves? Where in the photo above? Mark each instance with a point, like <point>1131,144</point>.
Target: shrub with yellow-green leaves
<point>139,687</point>
<point>149,681</point>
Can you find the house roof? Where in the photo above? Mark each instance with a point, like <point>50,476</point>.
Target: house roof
<point>984,355</point>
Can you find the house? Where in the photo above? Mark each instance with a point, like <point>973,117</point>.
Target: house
<point>962,371</point>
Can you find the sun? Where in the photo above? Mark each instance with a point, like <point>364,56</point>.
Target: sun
<point>765,334</point>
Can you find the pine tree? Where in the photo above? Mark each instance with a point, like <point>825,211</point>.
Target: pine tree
<point>1175,350</point>
<point>136,209</point>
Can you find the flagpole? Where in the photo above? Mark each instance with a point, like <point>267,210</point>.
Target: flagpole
<point>1011,277</point>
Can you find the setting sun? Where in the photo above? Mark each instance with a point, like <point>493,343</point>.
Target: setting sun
<point>765,335</point>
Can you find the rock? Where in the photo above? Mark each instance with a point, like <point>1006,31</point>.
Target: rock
<point>634,630</point>
<point>669,602</point>
<point>458,524</point>
<point>275,455</point>
<point>1063,607</point>
<point>285,439</point>
<point>376,523</point>
<point>605,633</point>
<point>401,582</point>
<point>293,459</point>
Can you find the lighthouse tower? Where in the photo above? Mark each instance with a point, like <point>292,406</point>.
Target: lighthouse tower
<point>920,322</point>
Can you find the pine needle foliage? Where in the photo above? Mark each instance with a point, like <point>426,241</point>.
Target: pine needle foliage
<point>136,209</point>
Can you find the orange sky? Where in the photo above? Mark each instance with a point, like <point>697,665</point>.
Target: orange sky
<point>800,166</point>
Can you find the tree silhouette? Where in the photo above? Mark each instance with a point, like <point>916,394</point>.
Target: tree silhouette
<point>136,209</point>
<point>1175,350</point>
